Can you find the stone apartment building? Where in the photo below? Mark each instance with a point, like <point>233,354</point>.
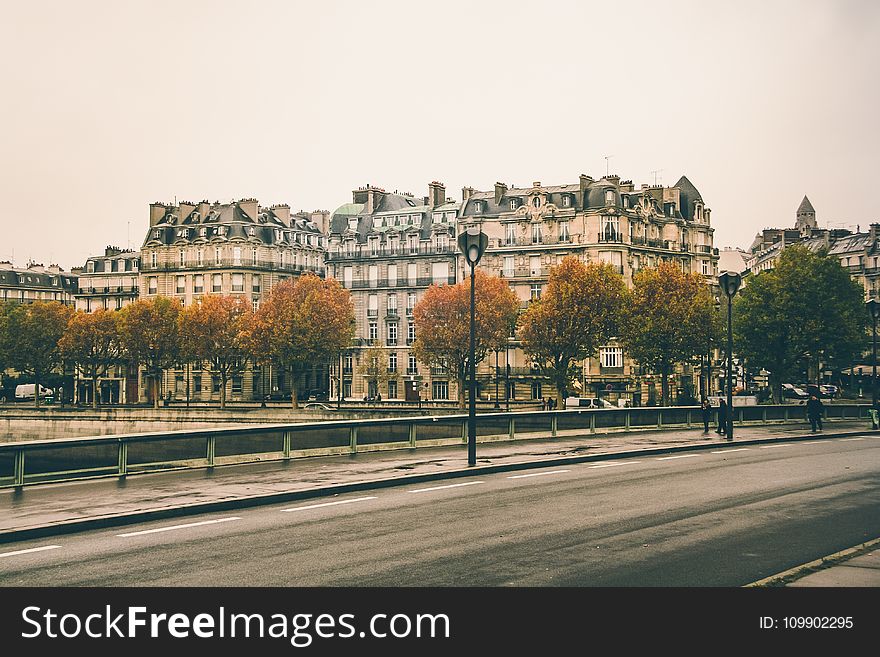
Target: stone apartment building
<point>37,283</point>
<point>387,248</point>
<point>236,248</point>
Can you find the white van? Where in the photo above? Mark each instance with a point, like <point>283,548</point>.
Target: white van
<point>25,391</point>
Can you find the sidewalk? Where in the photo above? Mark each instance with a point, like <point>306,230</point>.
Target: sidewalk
<point>49,509</point>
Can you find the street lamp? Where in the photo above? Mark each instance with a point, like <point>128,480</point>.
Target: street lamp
<point>472,243</point>
<point>729,282</point>
<point>874,312</point>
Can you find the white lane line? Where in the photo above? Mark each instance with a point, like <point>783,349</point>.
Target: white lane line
<point>771,446</point>
<point>681,456</point>
<point>425,490</point>
<point>318,506</point>
<point>30,550</point>
<point>847,440</point>
<point>538,474</point>
<point>611,465</point>
<point>727,451</point>
<point>173,527</point>
<point>812,442</point>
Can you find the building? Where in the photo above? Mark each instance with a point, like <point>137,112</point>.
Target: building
<point>37,283</point>
<point>108,281</point>
<point>387,248</point>
<point>236,248</point>
<point>531,229</point>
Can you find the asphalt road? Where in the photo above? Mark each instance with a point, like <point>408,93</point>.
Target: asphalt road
<point>723,517</point>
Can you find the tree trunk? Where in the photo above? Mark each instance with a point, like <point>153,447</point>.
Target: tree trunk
<point>294,389</point>
<point>95,391</point>
<point>37,388</point>
<point>664,386</point>
<point>156,391</point>
<point>223,380</point>
<point>462,392</point>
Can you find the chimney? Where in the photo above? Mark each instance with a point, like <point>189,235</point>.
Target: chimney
<point>874,232</point>
<point>204,208</point>
<point>500,190</point>
<point>249,206</point>
<point>112,250</point>
<point>466,194</point>
<point>186,209</point>
<point>585,181</point>
<point>54,269</point>
<point>157,212</point>
<point>282,211</point>
<point>322,220</point>
<point>436,194</point>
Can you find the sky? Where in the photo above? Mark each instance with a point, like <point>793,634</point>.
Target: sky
<point>108,106</point>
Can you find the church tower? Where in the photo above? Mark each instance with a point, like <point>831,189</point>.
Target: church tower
<point>806,218</point>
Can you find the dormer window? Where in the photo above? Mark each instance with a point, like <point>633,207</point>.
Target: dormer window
<point>203,232</point>
<point>566,201</point>
<point>90,266</point>
<point>609,197</point>
<point>252,231</point>
<point>353,223</point>
<point>478,207</point>
<point>512,204</point>
<point>536,202</point>
<point>156,233</point>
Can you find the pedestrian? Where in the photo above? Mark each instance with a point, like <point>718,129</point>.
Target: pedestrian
<point>814,413</point>
<point>874,413</point>
<point>706,410</point>
<point>722,418</point>
<point>543,403</point>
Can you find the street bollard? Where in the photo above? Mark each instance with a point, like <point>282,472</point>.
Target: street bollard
<point>286,445</point>
<point>412,434</point>
<point>18,468</point>
<point>353,440</point>
<point>511,429</point>
<point>212,443</point>
<point>122,468</point>
<point>553,425</point>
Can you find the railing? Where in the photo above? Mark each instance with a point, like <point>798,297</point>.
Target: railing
<point>386,252</point>
<point>400,282</point>
<point>113,289</point>
<point>231,263</point>
<point>41,461</point>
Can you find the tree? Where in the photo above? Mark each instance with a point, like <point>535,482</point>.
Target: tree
<point>216,330</point>
<point>33,332</point>
<point>805,311</point>
<point>6,308</point>
<point>442,319</point>
<point>150,336</point>
<point>374,368</point>
<point>577,313</point>
<point>91,343</point>
<point>665,322</point>
<point>303,323</point>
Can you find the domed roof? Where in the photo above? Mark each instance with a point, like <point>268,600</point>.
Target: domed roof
<point>596,193</point>
<point>805,206</point>
<point>688,194</point>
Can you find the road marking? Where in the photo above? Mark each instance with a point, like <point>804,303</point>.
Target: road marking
<point>812,442</point>
<point>538,474</point>
<point>425,490</point>
<point>847,440</point>
<point>173,527</point>
<point>318,506</point>
<point>681,456</point>
<point>771,446</point>
<point>28,551</point>
<point>611,465</point>
<point>727,451</point>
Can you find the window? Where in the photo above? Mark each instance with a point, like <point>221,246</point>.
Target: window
<point>478,207</point>
<point>392,362</point>
<point>535,265</point>
<point>346,277</point>
<point>536,202</point>
<point>392,390</point>
<point>200,257</point>
<point>536,390</point>
<point>373,332</point>
<point>182,257</point>
<point>392,275</point>
<point>236,385</point>
<point>564,235</point>
<point>254,255</point>
<point>705,268</point>
<point>508,267</point>
<point>373,275</point>
<point>566,201</point>
<point>374,246</point>
<point>413,366</point>
<point>152,285</point>
<point>614,258</point>
<point>410,303</point>
<point>217,283</point>
<point>441,242</point>
<point>181,284</point>
<point>153,260</point>
<point>347,364</point>
<point>535,291</point>
<point>609,197</point>
<point>410,332</point>
<point>255,304</point>
<point>373,305</point>
<point>510,234</point>
<point>236,255</point>
<point>198,284</point>
<point>238,282</point>
<point>440,389</point>
<point>197,384</point>
<point>537,236</point>
<point>412,273</point>
<point>203,232</point>
<point>393,246</point>
<point>512,204</point>
<point>611,356</point>
<point>610,229</point>
<point>392,334</point>
<point>392,304</point>
<point>252,231</point>
<point>255,283</point>
<point>413,243</point>
<point>440,272</point>
<point>217,255</point>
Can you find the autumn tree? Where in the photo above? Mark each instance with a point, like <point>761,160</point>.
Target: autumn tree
<point>33,333</point>
<point>805,312</point>
<point>374,369</point>
<point>150,336</point>
<point>578,312</point>
<point>442,319</point>
<point>216,331</point>
<point>304,322</point>
<point>664,322</point>
<point>91,343</point>
<point>6,308</point>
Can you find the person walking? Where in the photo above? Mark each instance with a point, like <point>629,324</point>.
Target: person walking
<point>814,413</point>
<point>543,403</point>
<point>722,418</point>
<point>706,410</point>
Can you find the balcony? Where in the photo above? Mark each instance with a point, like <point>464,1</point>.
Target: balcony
<point>364,252</point>
<point>526,272</point>
<point>231,263</point>
<point>610,238</point>
<point>703,248</point>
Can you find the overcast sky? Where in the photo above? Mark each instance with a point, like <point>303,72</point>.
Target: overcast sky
<point>108,106</point>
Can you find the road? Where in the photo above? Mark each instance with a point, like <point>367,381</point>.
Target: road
<point>722,517</point>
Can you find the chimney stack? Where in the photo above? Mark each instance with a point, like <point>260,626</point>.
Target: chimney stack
<point>585,181</point>
<point>500,190</point>
<point>466,194</point>
<point>436,194</point>
<point>157,212</point>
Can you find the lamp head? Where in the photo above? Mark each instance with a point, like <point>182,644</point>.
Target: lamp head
<point>729,282</point>
<point>472,243</point>
<point>873,308</point>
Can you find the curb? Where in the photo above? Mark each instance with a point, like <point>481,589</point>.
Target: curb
<point>73,526</point>
<point>796,573</point>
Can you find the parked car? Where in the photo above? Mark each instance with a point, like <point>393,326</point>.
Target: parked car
<point>587,402</point>
<point>790,391</point>
<point>828,391</point>
<point>26,391</point>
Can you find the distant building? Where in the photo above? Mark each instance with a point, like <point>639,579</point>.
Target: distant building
<point>37,283</point>
<point>732,260</point>
<point>108,281</point>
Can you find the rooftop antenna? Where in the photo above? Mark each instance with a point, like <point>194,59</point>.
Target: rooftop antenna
<point>607,157</point>
<point>655,172</point>
<point>128,235</point>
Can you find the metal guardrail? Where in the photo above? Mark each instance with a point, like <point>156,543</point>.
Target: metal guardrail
<point>120,455</point>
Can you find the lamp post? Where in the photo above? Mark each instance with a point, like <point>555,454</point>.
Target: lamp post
<point>497,404</point>
<point>729,282</point>
<point>874,312</point>
<point>472,243</point>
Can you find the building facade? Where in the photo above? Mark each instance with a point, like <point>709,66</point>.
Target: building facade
<point>37,283</point>
<point>238,249</point>
<point>108,281</point>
